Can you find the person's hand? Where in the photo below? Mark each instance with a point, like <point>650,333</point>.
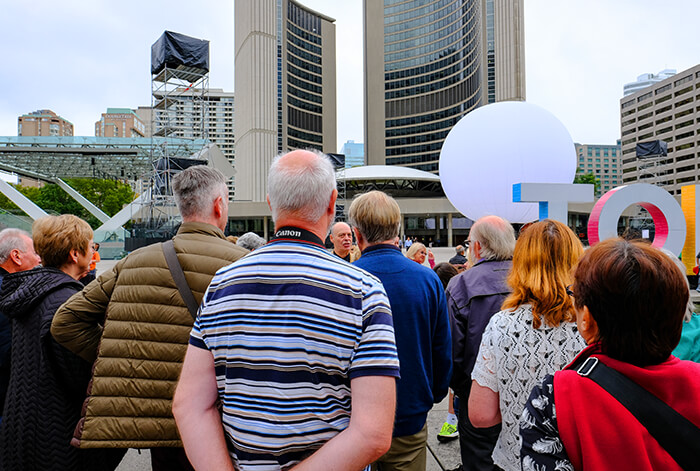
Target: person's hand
<point>430,255</point>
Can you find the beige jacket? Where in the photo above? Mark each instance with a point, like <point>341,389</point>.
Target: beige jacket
<point>138,355</point>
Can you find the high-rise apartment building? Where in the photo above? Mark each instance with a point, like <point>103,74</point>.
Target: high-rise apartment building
<point>120,122</point>
<point>212,111</point>
<point>43,123</point>
<point>354,153</point>
<point>663,111</point>
<point>429,63</point>
<point>602,160</point>
<point>646,80</point>
<point>285,79</point>
<point>145,114</point>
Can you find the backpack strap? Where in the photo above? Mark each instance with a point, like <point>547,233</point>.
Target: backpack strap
<point>179,277</point>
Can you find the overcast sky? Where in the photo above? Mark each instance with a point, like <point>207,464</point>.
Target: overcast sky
<point>80,57</point>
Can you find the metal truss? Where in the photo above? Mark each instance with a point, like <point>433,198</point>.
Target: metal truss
<point>126,159</point>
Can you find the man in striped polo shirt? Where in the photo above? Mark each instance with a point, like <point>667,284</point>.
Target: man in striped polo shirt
<point>288,339</point>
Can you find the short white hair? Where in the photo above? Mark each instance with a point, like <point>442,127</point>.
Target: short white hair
<point>250,241</point>
<point>303,192</point>
<point>496,238</point>
<point>11,239</point>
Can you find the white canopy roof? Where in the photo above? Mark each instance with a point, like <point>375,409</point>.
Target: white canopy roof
<point>384,172</point>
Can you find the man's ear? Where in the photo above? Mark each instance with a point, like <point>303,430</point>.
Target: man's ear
<point>331,203</point>
<point>16,256</point>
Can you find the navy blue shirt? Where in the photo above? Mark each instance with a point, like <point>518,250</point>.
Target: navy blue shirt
<point>421,326</point>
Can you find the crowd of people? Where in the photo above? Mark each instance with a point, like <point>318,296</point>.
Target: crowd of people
<point>249,354</point>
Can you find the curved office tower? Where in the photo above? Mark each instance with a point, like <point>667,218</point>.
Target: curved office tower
<point>425,68</point>
<point>285,87</point>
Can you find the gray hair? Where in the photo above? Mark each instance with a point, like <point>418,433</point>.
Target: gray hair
<point>690,308</point>
<point>250,241</point>
<point>459,249</point>
<point>303,192</point>
<point>196,188</point>
<point>11,239</point>
<point>496,237</point>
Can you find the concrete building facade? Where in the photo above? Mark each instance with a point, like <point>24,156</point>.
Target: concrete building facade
<point>145,114</point>
<point>438,60</point>
<point>285,76</point>
<point>602,160</point>
<point>666,110</point>
<point>43,123</point>
<point>120,122</point>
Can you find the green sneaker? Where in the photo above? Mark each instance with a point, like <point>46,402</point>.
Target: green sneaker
<point>447,432</point>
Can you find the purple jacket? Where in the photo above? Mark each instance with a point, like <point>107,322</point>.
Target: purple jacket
<point>472,298</point>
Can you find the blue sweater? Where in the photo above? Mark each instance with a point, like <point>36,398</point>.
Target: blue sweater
<point>422,332</point>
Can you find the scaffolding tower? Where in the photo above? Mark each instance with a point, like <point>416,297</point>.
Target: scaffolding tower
<point>179,98</point>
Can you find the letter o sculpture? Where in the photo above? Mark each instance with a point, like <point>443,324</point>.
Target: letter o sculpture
<point>667,214</point>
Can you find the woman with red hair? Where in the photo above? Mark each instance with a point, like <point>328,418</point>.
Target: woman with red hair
<point>533,335</point>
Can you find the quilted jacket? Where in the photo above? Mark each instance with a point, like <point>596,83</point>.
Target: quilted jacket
<point>138,355</point>
<point>47,384</point>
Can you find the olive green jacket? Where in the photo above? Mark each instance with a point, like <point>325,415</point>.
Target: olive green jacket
<point>138,354</point>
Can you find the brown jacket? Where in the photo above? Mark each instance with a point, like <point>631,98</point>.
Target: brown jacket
<point>145,336</point>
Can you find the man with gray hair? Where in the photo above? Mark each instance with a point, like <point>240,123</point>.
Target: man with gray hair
<point>16,254</point>
<point>146,325</point>
<point>296,345</point>
<point>250,241</point>
<point>473,297</point>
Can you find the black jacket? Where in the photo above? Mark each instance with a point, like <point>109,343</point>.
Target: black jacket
<point>47,382</point>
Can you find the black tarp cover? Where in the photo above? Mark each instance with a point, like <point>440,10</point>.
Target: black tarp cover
<point>174,49</point>
<point>652,149</point>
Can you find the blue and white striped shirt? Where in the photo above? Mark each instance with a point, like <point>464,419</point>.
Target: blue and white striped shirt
<point>289,326</point>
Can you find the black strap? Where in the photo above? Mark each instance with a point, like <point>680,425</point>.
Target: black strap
<point>676,434</point>
<point>179,277</point>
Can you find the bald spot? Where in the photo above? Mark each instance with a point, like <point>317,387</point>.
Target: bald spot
<point>297,159</point>
<point>339,227</point>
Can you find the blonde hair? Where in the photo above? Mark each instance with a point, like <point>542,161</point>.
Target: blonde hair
<point>544,257</point>
<point>376,215</point>
<point>56,236</point>
<point>413,250</point>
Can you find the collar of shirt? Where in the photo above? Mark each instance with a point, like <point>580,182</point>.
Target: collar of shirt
<point>380,246</point>
<point>297,234</point>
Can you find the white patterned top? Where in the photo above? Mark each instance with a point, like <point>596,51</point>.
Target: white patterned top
<point>513,358</point>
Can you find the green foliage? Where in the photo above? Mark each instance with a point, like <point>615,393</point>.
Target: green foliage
<point>588,178</point>
<point>108,195</point>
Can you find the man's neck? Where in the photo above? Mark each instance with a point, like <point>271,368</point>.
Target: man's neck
<point>317,229</point>
<point>210,221</point>
<point>363,245</point>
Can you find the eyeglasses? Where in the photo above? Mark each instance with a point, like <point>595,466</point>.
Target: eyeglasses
<point>569,292</point>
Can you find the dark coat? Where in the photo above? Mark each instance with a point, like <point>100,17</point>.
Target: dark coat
<point>47,382</point>
<point>472,298</point>
<point>5,342</point>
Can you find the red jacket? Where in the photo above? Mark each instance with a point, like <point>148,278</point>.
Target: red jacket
<point>599,433</point>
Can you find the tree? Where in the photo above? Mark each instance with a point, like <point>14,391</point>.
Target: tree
<point>588,178</point>
<point>108,195</point>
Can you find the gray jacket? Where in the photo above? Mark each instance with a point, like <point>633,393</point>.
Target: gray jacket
<point>472,298</point>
